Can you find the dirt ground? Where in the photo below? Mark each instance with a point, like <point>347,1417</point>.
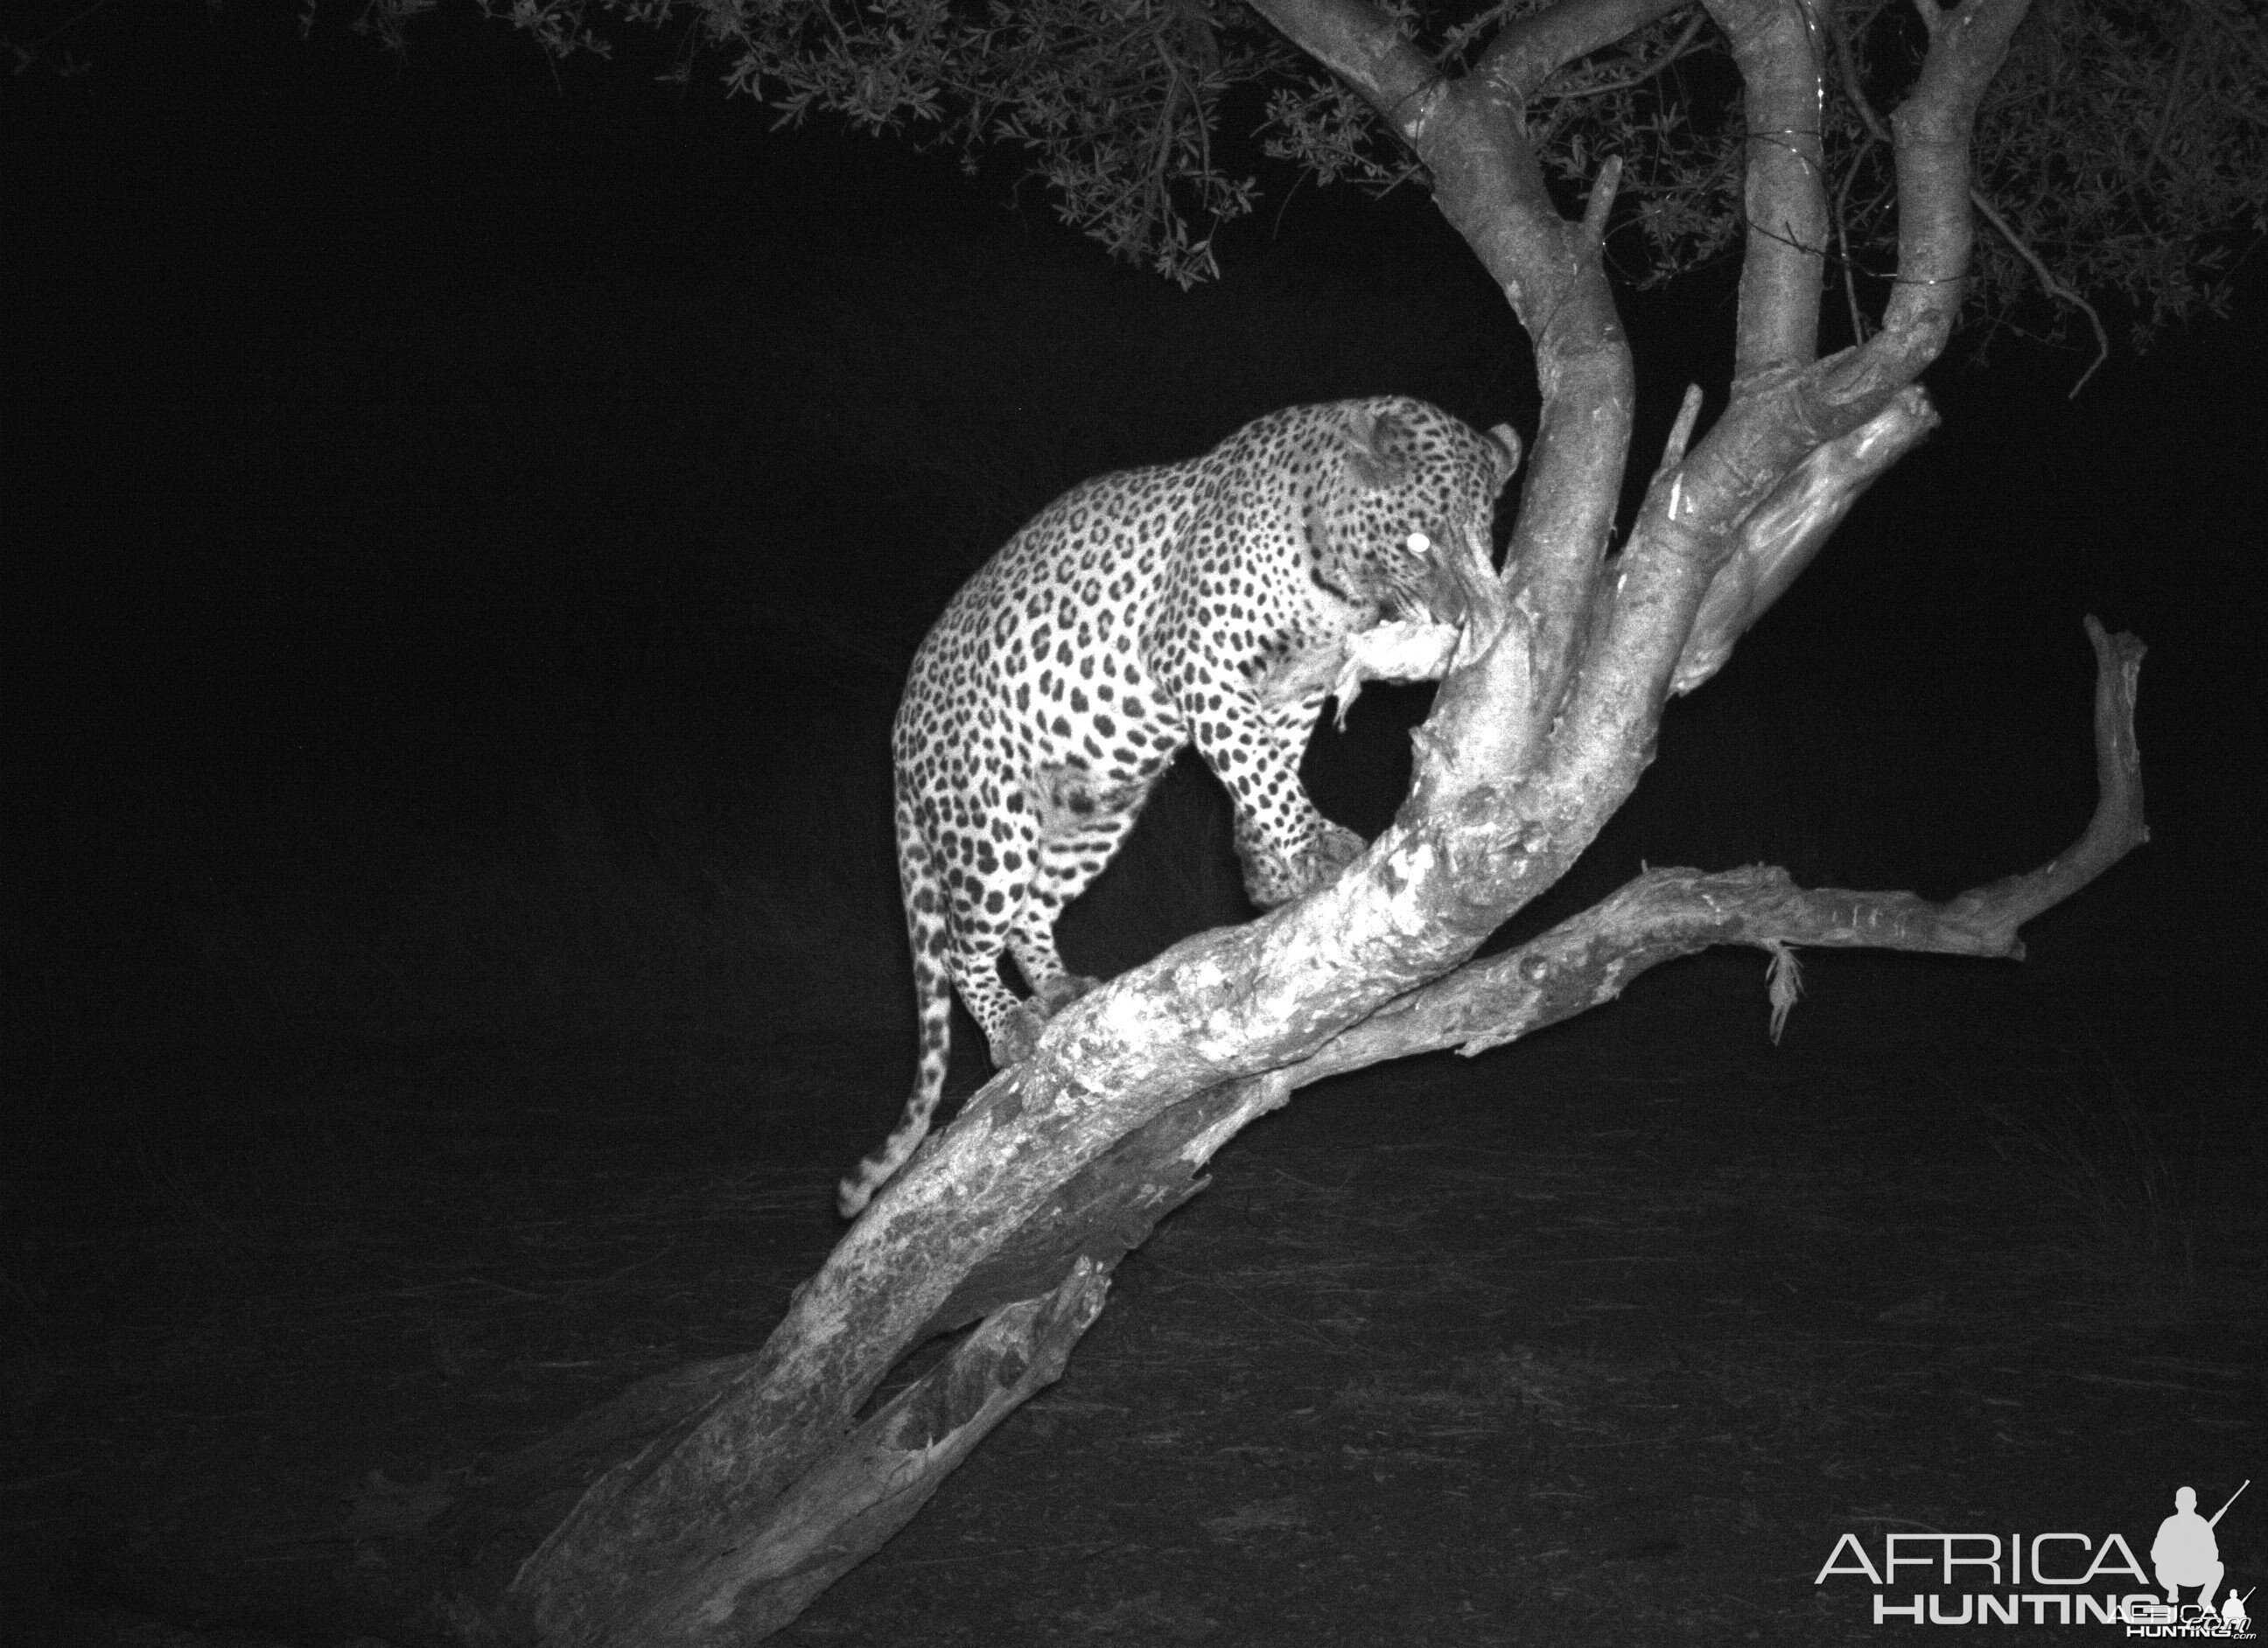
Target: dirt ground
<point>1606,1337</point>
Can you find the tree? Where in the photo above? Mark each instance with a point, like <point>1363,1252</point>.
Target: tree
<point>2120,157</point>
<point>728,1494</point>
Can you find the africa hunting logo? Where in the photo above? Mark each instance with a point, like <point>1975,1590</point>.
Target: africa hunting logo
<point>2056,1578</point>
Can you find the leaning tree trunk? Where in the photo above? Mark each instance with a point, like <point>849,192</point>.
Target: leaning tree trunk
<point>739,1490</point>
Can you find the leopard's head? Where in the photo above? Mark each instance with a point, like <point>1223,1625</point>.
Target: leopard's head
<point>1403,487</point>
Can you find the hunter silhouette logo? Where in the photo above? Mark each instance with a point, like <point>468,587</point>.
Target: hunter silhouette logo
<point>2056,1579</point>
<point>2185,1552</point>
<point>2232,1610</point>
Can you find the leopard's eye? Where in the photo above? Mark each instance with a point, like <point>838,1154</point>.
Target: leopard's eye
<point>1419,543</point>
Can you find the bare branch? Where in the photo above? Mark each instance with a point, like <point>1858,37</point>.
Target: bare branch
<point>1854,85</point>
<point>1877,132</point>
<point>1490,186</point>
<point>886,1470</point>
<point>1781,56</point>
<point>1528,52</point>
<point>1360,45</point>
<point>2048,284</point>
<point>1843,244</point>
<point>1932,133</point>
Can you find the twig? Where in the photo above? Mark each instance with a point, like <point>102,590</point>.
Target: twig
<point>1872,120</point>
<point>2053,287</point>
<point>1681,437</point>
<point>1877,132</point>
<point>1675,49</point>
<point>1843,240</point>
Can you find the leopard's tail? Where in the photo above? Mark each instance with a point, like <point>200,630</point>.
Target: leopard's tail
<point>927,902</point>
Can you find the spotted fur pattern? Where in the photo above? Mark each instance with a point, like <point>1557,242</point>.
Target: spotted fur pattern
<point>1138,614</point>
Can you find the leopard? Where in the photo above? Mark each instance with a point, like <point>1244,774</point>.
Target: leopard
<point>1196,603</point>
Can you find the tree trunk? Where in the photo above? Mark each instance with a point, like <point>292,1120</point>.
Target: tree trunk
<point>727,1497</point>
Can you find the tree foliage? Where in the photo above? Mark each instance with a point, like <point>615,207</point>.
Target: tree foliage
<point>2122,156</point>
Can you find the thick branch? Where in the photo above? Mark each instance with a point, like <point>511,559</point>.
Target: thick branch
<point>1781,58</point>
<point>1529,50</point>
<point>875,1480</point>
<point>1486,179</point>
<point>1687,530</point>
<point>1488,183</point>
<point>1932,133</point>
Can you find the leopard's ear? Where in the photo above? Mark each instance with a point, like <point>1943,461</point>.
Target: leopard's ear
<point>1377,448</point>
<point>1507,440</point>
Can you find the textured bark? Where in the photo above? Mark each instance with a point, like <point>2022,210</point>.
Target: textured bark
<point>1781,57</point>
<point>740,1491</point>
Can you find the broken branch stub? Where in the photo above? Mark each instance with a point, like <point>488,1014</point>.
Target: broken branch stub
<point>1776,539</point>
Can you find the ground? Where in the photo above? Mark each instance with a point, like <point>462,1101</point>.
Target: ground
<point>1607,1336</point>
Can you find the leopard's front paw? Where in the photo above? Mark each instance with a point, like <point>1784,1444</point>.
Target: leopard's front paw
<point>1020,1032</point>
<point>1332,850</point>
<point>1270,879</point>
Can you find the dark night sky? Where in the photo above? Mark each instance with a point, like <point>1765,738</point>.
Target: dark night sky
<point>318,359</point>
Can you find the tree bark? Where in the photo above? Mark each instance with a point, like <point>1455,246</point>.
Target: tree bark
<point>740,1491</point>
